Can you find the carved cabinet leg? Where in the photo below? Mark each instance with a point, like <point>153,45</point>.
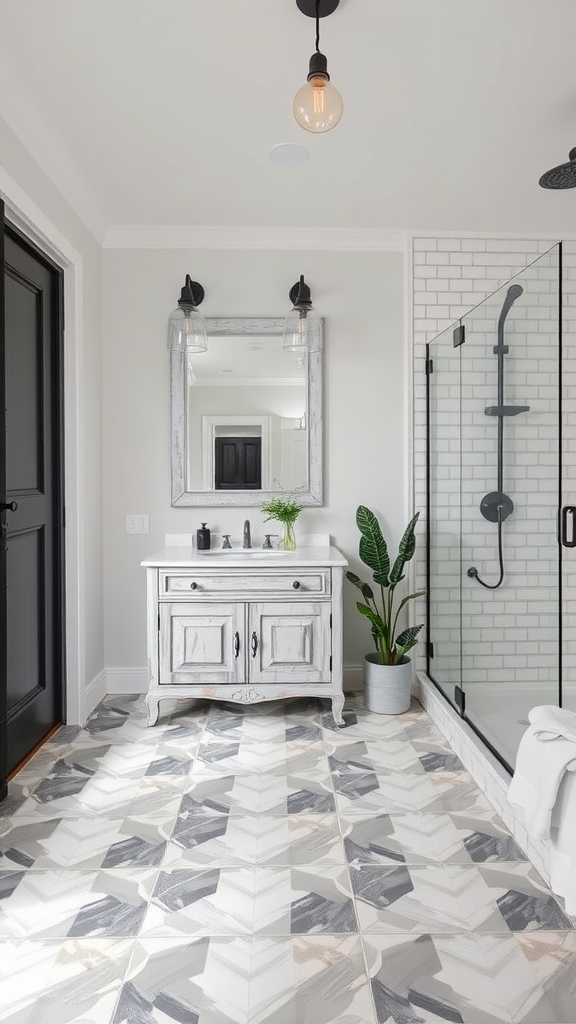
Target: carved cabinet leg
<point>153,705</point>
<point>337,708</point>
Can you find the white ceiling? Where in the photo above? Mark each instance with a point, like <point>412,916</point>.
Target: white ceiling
<point>162,112</point>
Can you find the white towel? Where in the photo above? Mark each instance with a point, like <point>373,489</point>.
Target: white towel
<point>550,722</point>
<point>540,767</point>
<point>563,843</point>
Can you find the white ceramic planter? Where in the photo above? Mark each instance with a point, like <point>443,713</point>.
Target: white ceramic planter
<point>387,688</point>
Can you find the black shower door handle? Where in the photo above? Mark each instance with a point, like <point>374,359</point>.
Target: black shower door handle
<point>568,531</point>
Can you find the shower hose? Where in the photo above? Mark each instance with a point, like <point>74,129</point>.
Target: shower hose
<point>473,572</point>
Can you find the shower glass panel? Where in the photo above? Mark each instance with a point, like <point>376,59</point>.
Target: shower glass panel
<point>444,590</point>
<point>510,407</point>
<point>494,495</point>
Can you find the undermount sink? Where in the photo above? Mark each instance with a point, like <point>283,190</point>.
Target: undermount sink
<point>242,553</point>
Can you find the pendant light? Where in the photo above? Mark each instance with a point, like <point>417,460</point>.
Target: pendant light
<point>186,326</point>
<point>302,327</point>
<point>318,105</point>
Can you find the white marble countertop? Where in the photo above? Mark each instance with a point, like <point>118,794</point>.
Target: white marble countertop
<point>239,558</point>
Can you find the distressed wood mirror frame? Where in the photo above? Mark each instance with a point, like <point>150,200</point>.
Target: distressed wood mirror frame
<point>258,327</point>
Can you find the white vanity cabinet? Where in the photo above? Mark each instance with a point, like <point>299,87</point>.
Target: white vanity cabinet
<point>244,626</point>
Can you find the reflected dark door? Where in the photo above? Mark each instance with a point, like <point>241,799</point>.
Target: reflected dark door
<point>238,462</point>
<point>33,465</point>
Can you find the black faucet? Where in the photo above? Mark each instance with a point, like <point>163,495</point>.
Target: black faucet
<point>247,541</point>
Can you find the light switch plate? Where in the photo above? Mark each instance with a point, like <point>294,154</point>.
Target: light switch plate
<point>137,524</point>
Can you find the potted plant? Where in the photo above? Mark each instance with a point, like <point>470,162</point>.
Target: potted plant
<point>285,510</point>
<point>388,671</point>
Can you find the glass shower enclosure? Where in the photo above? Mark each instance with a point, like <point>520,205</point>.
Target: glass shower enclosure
<point>494,495</point>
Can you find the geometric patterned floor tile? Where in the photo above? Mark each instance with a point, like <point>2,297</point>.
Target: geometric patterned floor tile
<point>270,794</point>
<point>184,980</point>
<point>67,904</point>
<point>243,864</point>
<point>219,840</point>
<point>308,979</point>
<point>423,838</point>
<point>61,982</point>
<point>425,979</point>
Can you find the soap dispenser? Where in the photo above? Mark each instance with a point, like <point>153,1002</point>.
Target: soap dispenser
<point>203,538</point>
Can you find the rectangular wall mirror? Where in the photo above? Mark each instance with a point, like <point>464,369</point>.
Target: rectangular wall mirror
<point>246,417</point>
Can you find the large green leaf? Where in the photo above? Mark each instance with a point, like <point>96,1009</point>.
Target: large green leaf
<point>406,550</point>
<point>364,587</point>
<point>408,636</point>
<point>376,620</point>
<point>373,549</point>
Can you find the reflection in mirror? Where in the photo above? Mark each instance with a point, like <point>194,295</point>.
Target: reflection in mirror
<point>246,417</point>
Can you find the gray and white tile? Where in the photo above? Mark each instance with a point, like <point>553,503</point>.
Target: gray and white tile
<point>308,979</point>
<point>260,793</point>
<point>187,981</point>
<point>220,840</point>
<point>69,904</point>
<point>61,982</point>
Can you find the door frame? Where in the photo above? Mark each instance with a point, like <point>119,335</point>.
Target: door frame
<point>23,214</point>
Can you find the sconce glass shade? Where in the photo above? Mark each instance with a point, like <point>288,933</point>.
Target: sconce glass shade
<point>187,331</point>
<point>302,330</point>
<point>186,325</point>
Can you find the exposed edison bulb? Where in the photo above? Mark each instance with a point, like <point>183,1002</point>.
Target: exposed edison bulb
<point>318,106</point>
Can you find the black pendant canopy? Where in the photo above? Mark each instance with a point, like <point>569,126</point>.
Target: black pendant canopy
<point>326,7</point>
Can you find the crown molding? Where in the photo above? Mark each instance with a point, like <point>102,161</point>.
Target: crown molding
<point>20,113</point>
<point>188,236</point>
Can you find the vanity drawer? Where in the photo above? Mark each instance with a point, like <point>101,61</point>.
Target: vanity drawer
<point>293,582</point>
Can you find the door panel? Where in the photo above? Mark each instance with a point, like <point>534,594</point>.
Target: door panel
<point>3,663</point>
<point>202,644</point>
<point>289,643</point>
<point>34,481</point>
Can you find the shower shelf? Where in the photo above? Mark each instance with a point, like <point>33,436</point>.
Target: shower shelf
<point>505,410</point>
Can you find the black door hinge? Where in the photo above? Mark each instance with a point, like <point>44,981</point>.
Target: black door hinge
<point>429,367</point>
<point>459,335</point>
<point>430,649</point>
<point>330,662</point>
<point>460,699</point>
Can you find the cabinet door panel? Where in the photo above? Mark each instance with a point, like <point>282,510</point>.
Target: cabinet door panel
<point>202,644</point>
<point>292,643</point>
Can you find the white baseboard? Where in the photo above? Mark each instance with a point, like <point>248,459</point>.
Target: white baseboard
<point>126,680</point>
<point>95,692</point>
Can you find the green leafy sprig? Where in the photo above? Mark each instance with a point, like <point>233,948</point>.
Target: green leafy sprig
<point>284,510</point>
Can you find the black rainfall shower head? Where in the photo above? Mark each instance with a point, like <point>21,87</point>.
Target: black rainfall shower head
<point>563,176</point>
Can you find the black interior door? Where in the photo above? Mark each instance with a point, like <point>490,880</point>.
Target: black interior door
<point>238,463</point>
<point>3,660</point>
<point>33,612</point>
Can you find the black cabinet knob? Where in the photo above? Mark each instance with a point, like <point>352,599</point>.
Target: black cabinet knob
<point>296,585</point>
<point>8,506</point>
<point>193,586</point>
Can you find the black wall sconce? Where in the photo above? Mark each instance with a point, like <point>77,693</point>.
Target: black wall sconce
<point>302,327</point>
<point>186,325</point>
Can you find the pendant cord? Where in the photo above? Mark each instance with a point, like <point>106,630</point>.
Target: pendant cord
<point>317,26</point>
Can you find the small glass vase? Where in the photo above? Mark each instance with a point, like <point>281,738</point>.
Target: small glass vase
<point>287,540</point>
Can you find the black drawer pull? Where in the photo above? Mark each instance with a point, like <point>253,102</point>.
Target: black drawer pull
<point>254,644</point>
<point>193,586</point>
<point>296,585</point>
<point>236,644</point>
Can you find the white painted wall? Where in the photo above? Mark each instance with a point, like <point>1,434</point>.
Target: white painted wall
<point>87,662</point>
<point>361,296</point>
